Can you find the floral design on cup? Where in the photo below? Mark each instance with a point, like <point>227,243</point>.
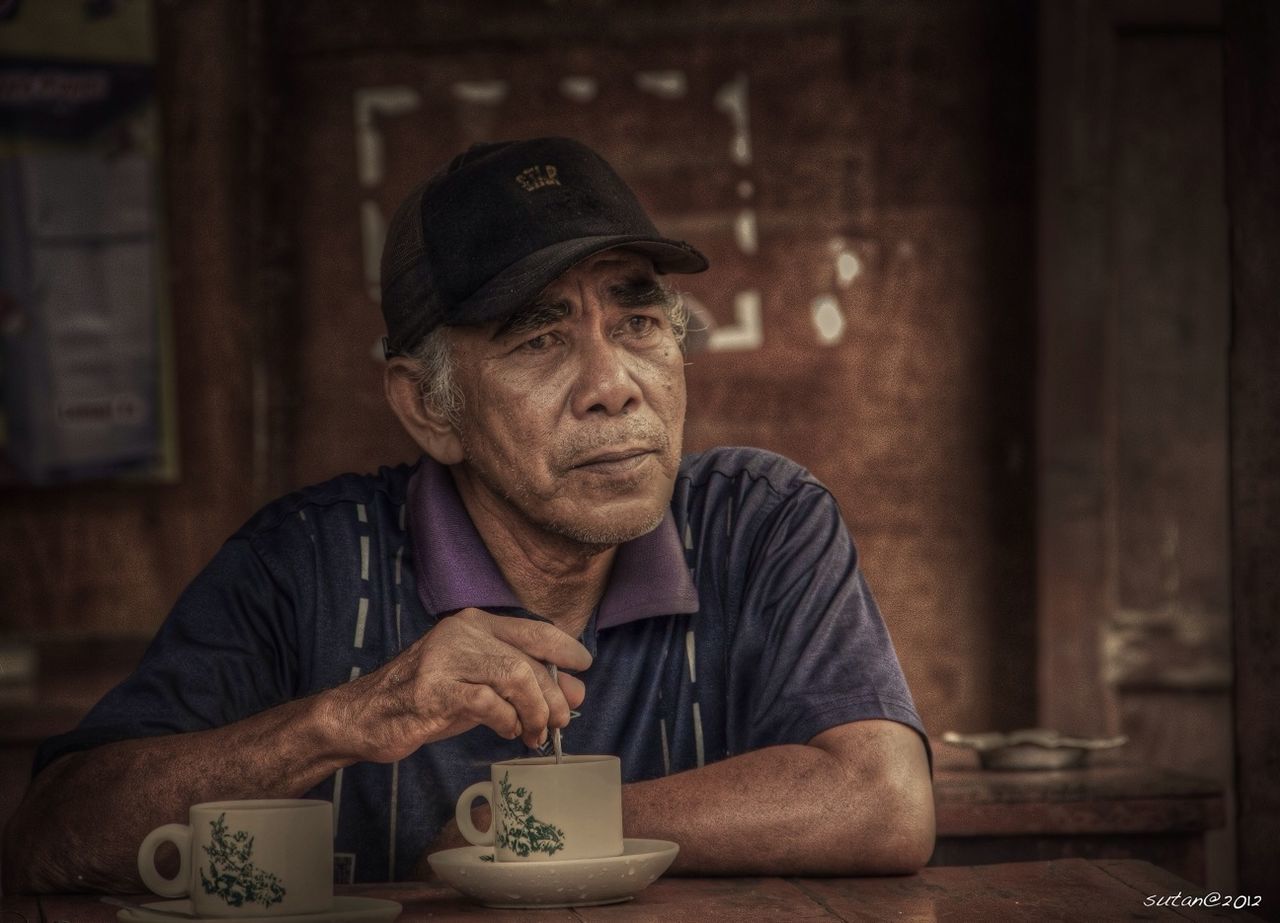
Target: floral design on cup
<point>544,809</point>
<point>232,874</point>
<point>518,830</point>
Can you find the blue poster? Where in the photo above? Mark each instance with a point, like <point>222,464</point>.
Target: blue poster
<point>82,312</point>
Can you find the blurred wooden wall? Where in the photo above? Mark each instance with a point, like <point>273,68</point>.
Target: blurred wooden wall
<point>1134,595</point>
<point>860,174</point>
<point>97,560</point>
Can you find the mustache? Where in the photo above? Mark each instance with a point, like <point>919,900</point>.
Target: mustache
<point>633,431</point>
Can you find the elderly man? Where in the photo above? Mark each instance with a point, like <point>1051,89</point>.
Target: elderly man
<point>379,640</point>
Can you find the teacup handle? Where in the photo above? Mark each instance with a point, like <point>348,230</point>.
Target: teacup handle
<point>463,814</point>
<point>180,836</point>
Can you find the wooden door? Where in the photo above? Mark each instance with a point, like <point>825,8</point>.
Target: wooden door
<point>1134,566</point>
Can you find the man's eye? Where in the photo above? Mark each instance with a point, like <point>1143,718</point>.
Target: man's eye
<point>538,344</point>
<point>640,324</point>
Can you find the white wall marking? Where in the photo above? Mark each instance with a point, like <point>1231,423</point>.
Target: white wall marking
<point>670,84</point>
<point>732,100</point>
<point>848,268</point>
<point>480,92</point>
<point>579,89</point>
<point>370,153</point>
<point>744,231</point>
<point>828,319</point>
<point>373,233</point>
<point>747,332</point>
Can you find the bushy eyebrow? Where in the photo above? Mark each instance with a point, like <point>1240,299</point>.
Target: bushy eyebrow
<point>533,317</point>
<point>638,292</point>
<point>641,292</point>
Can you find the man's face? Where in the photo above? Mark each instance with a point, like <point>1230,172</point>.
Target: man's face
<point>573,410</point>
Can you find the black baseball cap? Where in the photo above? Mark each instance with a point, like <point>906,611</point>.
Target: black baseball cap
<point>483,236</point>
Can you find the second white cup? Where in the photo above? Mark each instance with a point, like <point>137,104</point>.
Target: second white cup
<point>258,858</point>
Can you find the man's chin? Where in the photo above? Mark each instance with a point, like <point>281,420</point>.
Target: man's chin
<point>608,527</point>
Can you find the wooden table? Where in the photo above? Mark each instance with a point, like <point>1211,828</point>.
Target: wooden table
<point>1063,889</point>
<point>1117,811</point>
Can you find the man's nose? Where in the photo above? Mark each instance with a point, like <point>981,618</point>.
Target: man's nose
<point>605,383</point>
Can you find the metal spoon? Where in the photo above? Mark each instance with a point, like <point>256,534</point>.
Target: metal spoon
<point>555,732</point>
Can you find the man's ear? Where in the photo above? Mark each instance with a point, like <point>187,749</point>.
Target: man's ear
<point>430,429</point>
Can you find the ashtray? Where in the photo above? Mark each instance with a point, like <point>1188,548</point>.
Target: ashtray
<point>1031,748</point>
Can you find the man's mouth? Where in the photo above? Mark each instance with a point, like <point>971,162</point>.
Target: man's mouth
<point>615,461</point>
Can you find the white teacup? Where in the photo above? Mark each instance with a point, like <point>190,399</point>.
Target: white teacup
<point>268,857</point>
<point>543,810</point>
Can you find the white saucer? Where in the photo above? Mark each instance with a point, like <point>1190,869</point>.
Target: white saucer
<point>344,910</point>
<point>563,883</point>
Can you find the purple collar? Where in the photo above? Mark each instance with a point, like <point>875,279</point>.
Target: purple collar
<point>455,570</point>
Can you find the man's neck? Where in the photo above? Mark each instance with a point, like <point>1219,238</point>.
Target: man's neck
<point>553,576</point>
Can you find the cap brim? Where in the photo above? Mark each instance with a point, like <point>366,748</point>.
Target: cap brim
<point>520,283</point>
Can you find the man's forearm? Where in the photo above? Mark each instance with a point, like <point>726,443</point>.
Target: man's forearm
<point>84,817</point>
<point>795,810</point>
<point>82,821</point>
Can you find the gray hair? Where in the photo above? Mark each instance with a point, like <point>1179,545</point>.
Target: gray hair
<point>433,374</point>
<point>433,361</point>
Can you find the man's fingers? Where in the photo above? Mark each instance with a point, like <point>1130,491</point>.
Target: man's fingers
<point>538,700</point>
<point>573,689</point>
<point>540,640</point>
<point>521,682</point>
<point>485,706</point>
<point>479,668</point>
<point>557,702</point>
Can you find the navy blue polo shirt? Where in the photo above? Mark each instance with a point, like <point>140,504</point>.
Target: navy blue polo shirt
<point>741,622</point>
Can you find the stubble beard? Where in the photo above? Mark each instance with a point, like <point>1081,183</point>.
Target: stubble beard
<point>592,533</point>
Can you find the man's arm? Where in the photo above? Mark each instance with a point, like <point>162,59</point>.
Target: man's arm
<point>85,814</point>
<point>82,820</point>
<point>856,800</point>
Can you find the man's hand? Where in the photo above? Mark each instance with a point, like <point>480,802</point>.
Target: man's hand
<point>473,668</point>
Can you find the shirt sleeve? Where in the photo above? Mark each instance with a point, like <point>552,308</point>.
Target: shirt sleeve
<point>817,653</point>
<point>225,652</point>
